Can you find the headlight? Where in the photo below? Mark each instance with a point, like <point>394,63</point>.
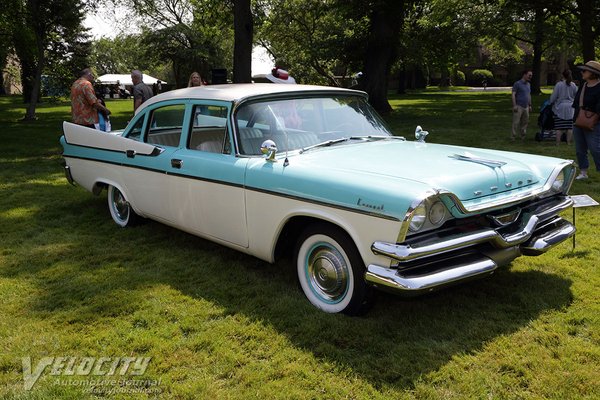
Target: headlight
<point>437,213</point>
<point>559,182</point>
<point>419,215</point>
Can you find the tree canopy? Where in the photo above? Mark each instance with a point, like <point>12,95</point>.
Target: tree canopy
<point>45,33</point>
<point>319,41</point>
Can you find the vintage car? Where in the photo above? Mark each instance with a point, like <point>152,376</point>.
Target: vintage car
<point>313,172</point>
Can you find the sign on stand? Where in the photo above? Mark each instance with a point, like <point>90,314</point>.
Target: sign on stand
<point>581,200</point>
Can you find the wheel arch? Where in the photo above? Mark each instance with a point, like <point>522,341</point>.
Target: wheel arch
<point>103,183</point>
<point>293,227</point>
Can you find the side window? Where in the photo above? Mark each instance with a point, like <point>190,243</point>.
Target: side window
<point>165,125</point>
<point>209,129</point>
<point>136,131</point>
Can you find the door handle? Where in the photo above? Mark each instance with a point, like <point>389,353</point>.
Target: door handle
<point>176,163</point>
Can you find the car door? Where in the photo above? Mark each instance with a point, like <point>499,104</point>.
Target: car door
<point>208,178</point>
<point>148,180</point>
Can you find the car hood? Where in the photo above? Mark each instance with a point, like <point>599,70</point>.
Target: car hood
<point>467,172</point>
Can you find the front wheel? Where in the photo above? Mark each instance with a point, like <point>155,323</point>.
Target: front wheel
<point>120,209</point>
<point>331,271</point>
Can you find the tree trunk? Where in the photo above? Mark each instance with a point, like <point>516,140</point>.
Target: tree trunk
<point>386,21</point>
<point>538,44</point>
<point>402,80</point>
<point>3,62</point>
<point>36,86</point>
<point>243,36</point>
<point>27,77</point>
<point>586,26</point>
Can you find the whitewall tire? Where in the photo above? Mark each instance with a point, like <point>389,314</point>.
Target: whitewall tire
<point>120,209</point>
<point>331,271</point>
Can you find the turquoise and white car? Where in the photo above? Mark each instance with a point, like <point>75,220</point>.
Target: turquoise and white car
<point>313,172</point>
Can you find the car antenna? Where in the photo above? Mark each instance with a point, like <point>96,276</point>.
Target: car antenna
<point>286,162</point>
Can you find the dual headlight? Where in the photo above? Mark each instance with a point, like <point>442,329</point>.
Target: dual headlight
<point>559,182</point>
<point>430,213</point>
<point>562,182</point>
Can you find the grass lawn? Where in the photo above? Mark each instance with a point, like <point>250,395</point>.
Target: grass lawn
<point>218,324</point>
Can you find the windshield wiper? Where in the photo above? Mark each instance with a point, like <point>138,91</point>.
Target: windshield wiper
<point>328,143</point>
<point>324,144</point>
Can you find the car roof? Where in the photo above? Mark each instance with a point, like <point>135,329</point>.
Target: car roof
<point>242,91</point>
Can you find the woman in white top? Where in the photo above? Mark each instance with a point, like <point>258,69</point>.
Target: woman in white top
<point>562,106</point>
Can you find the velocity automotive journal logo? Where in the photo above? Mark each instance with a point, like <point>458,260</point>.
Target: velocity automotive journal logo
<point>102,374</point>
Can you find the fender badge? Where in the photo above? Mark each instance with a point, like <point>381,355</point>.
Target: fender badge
<point>371,206</point>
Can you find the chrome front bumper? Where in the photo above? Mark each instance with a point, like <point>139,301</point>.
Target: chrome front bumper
<point>440,261</point>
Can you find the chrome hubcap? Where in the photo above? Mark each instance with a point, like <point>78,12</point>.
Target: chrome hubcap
<point>327,273</point>
<point>120,205</point>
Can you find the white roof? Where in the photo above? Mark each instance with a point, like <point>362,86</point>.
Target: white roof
<point>125,79</point>
<point>240,91</point>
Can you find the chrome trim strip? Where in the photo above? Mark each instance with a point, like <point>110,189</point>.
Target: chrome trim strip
<point>405,252</point>
<point>239,185</point>
<point>393,279</point>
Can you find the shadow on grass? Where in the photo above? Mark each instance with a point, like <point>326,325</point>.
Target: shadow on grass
<point>575,254</point>
<point>89,269</point>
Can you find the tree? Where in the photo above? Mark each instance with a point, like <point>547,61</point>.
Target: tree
<point>312,38</point>
<point>5,45</point>
<point>529,21</point>
<point>439,34</point>
<point>122,54</point>
<point>43,31</point>
<point>589,13</point>
<point>189,35</point>
<point>386,19</point>
<point>242,51</point>
<point>322,39</point>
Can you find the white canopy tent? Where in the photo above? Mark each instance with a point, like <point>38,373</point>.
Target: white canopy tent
<point>125,79</point>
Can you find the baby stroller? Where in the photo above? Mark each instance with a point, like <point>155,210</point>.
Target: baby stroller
<point>545,123</point>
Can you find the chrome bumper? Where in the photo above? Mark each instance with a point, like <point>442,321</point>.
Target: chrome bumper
<point>388,278</point>
<point>440,261</point>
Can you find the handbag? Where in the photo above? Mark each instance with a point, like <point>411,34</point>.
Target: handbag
<point>586,120</point>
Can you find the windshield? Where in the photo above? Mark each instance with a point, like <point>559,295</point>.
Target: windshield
<point>295,124</point>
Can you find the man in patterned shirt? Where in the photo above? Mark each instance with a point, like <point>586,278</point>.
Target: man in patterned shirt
<point>84,103</point>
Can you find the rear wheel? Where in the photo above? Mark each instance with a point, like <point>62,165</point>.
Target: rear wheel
<point>120,209</point>
<point>331,271</point>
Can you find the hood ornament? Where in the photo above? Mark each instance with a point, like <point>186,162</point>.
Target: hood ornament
<point>478,160</point>
<point>420,134</point>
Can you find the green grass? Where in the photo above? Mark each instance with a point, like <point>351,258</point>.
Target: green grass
<point>222,325</point>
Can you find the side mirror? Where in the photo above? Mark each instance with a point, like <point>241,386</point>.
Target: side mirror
<point>269,149</point>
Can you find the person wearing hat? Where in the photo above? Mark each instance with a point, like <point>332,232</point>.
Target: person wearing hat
<point>279,75</point>
<point>588,140</point>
